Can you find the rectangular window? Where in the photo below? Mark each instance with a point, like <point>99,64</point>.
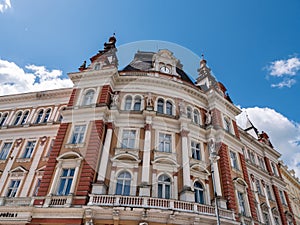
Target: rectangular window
<point>241,203</point>
<point>269,192</point>
<point>233,159</point>
<point>78,134</point>
<point>258,187</point>
<point>5,150</point>
<point>65,182</point>
<point>128,139</point>
<point>274,169</point>
<point>13,188</point>
<point>196,151</point>
<point>282,198</point>
<point>261,162</point>
<point>29,149</point>
<point>165,142</point>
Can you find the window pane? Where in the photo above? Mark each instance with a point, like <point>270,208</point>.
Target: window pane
<point>160,106</point>
<point>137,104</point>
<point>128,101</point>
<point>39,116</point>
<point>5,149</point>
<point>169,108</point>
<point>78,134</point>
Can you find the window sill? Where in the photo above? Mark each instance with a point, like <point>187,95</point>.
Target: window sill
<point>23,159</point>
<point>79,145</point>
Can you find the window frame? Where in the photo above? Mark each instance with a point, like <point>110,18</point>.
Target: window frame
<point>87,99</point>
<point>234,162</point>
<point>125,187</point>
<point>163,185</point>
<point>129,138</point>
<point>198,191</point>
<point>80,136</point>
<point>195,150</point>
<point>163,140</point>
<point>29,149</point>
<point>3,118</point>
<point>5,151</point>
<point>68,181</point>
<point>12,191</point>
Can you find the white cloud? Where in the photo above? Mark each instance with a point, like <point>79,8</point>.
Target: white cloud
<point>280,68</point>
<point>4,5</point>
<point>284,134</point>
<point>15,79</point>
<point>285,83</point>
<point>284,68</point>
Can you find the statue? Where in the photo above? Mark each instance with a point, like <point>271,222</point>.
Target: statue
<point>211,146</point>
<point>83,66</point>
<point>181,106</point>
<point>149,101</point>
<point>207,118</point>
<point>114,99</point>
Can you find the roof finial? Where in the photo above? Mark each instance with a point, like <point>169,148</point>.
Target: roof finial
<point>203,61</point>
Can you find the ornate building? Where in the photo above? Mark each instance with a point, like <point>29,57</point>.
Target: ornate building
<point>141,145</point>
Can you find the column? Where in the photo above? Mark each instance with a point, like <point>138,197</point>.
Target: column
<point>217,179</point>
<point>186,194</point>
<point>145,187</point>
<point>268,204</point>
<point>99,187</point>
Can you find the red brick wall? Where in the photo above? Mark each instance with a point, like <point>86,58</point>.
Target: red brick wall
<point>216,117</point>
<point>51,163</point>
<point>279,205</point>
<point>104,97</point>
<point>289,205</point>
<point>89,168</point>
<point>226,178</point>
<point>249,192</point>
<point>72,98</point>
<point>236,130</point>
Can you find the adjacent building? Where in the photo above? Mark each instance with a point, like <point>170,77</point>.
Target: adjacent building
<point>141,145</point>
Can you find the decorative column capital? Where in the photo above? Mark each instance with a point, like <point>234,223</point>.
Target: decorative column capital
<point>184,133</point>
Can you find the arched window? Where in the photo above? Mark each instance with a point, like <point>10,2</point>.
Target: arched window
<point>60,115</point>
<point>123,184</point>
<point>18,117</point>
<point>128,102</point>
<point>88,97</point>
<point>169,108</point>
<point>189,112</point>
<point>39,116</point>
<point>196,116</point>
<point>25,117</point>
<point>137,103</point>
<point>160,105</point>
<point>164,186</point>
<point>47,116</point>
<point>2,119</point>
<point>199,192</point>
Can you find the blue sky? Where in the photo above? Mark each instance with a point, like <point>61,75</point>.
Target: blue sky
<point>252,47</point>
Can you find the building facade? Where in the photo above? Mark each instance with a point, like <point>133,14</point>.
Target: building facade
<point>141,145</point>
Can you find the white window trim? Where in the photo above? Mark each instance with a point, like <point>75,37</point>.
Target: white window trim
<point>165,105</point>
<point>70,144</point>
<point>9,150</point>
<point>242,189</point>
<point>21,156</point>
<point>201,149</point>
<point>157,140</point>
<point>43,116</point>
<point>65,163</point>
<point>173,185</point>
<point>137,135</point>
<point>123,103</point>
<point>15,176</point>
<point>237,160</point>
<point>205,190</point>
<point>133,183</point>
<point>83,93</point>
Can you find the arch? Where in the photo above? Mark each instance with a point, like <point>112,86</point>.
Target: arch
<point>199,192</point>
<point>240,181</point>
<point>123,156</point>
<point>166,160</point>
<point>164,182</point>
<point>123,183</point>
<point>199,167</point>
<point>24,118</point>
<point>69,155</point>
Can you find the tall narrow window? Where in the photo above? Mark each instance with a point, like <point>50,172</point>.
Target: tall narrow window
<point>189,112</point>
<point>199,193</point>
<point>123,184</point>
<point>196,151</point>
<point>258,187</point>
<point>233,160</point>
<point>47,115</point>
<point>25,117</point>
<point>196,117</point>
<point>128,102</point>
<point>227,125</point>
<point>3,119</point>
<point>5,150</point>
<point>78,134</point>
<point>164,186</point>
<point>269,192</point>
<point>266,218</point>
<point>169,108</point>
<point>137,103</point>
<point>39,116</point>
<point>241,201</point>
<point>165,142</point>
<point>18,117</point>
<point>29,149</point>
<point>274,169</point>
<point>13,188</point>
<point>65,182</point>
<point>88,97</point>
<point>128,139</point>
<point>160,106</point>
<point>282,198</point>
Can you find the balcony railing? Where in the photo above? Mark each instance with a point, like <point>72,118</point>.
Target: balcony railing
<point>158,203</point>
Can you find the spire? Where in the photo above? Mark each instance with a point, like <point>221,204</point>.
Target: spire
<point>205,79</point>
<point>111,43</point>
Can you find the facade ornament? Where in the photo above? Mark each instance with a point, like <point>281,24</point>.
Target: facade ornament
<point>208,117</point>
<point>114,99</point>
<point>149,101</point>
<point>19,141</point>
<point>211,146</point>
<point>182,110</point>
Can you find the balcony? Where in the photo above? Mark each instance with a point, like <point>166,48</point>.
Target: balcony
<point>158,203</point>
